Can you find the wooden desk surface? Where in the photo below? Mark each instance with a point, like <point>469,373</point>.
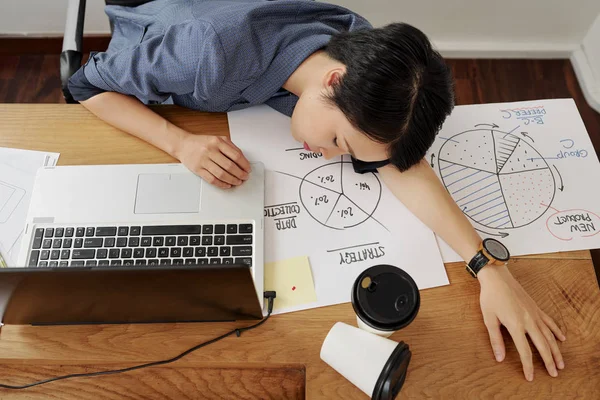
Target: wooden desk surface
<point>452,357</point>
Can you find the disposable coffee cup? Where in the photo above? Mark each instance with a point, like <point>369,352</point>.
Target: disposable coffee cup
<point>374,364</point>
<point>385,299</point>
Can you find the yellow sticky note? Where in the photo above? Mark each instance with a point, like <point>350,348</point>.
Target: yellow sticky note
<point>293,281</point>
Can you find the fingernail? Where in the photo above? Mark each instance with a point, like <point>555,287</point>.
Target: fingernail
<point>498,357</point>
<point>561,364</point>
<point>239,182</point>
<point>554,372</point>
<point>245,177</point>
<point>530,377</point>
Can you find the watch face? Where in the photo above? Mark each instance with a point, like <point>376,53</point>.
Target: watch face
<point>496,249</point>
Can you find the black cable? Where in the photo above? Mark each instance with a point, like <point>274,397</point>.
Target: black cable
<point>269,295</point>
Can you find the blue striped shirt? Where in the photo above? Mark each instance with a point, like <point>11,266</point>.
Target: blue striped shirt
<point>211,55</point>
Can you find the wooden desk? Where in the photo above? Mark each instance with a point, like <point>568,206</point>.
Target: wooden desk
<point>452,357</point>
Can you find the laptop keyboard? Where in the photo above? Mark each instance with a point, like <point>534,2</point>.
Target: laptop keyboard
<point>78,246</point>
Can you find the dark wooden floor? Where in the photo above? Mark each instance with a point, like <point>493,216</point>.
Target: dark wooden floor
<point>34,78</point>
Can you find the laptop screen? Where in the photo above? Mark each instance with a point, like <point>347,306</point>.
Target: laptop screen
<point>131,294</point>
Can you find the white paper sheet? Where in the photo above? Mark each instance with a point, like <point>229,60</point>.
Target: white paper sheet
<point>524,173</point>
<point>17,175</point>
<point>345,222</point>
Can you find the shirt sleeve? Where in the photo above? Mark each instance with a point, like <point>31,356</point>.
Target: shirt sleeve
<point>160,66</point>
<point>81,89</point>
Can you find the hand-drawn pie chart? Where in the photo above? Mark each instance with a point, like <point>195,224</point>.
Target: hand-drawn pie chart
<point>336,197</point>
<point>498,179</point>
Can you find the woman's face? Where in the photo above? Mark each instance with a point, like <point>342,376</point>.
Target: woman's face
<point>323,128</point>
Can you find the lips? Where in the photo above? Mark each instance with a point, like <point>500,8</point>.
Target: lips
<point>306,147</point>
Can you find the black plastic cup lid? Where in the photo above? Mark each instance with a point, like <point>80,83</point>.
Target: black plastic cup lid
<point>385,298</point>
<point>393,374</point>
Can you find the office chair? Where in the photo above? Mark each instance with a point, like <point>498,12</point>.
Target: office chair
<point>72,54</point>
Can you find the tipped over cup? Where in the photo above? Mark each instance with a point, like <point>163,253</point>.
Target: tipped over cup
<point>374,364</point>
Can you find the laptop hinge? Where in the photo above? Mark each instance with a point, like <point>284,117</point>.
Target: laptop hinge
<point>43,220</point>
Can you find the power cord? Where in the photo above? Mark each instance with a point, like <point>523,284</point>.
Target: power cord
<point>270,296</point>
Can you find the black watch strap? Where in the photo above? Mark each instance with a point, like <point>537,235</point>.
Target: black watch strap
<point>477,263</point>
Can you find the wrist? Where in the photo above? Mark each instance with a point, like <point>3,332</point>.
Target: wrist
<point>491,273</point>
<point>175,140</point>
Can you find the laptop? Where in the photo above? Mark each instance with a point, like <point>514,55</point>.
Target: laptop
<point>154,226</point>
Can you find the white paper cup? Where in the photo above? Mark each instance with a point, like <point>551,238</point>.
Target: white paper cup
<point>372,330</point>
<point>376,365</point>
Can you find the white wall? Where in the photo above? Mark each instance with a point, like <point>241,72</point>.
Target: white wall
<point>591,46</point>
<point>47,17</point>
<point>473,27</point>
<point>586,63</point>
<point>489,27</point>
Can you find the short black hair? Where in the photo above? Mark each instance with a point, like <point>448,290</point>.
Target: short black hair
<point>397,89</point>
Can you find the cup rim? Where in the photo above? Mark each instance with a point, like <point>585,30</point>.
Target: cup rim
<point>370,322</point>
<point>400,358</point>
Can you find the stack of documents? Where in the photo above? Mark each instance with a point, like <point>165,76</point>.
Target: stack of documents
<point>17,176</point>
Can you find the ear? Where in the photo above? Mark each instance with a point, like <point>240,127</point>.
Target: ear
<point>333,76</point>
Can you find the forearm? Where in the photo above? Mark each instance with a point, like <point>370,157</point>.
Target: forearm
<point>130,115</point>
<point>503,301</point>
<point>422,193</point>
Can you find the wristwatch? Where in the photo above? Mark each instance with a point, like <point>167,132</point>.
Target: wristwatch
<point>490,251</point>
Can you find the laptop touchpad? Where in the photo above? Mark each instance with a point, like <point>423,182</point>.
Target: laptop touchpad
<point>167,193</point>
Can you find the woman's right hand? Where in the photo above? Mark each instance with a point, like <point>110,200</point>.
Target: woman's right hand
<point>215,159</point>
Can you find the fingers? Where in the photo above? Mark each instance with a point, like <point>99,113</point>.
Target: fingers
<point>216,160</point>
<point>230,167</point>
<point>541,343</point>
<point>210,178</point>
<point>218,172</point>
<point>235,154</point>
<point>524,352</point>
<point>553,327</point>
<point>493,326</point>
<point>558,359</point>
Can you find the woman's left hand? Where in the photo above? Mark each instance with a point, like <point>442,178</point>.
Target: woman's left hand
<point>504,301</point>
